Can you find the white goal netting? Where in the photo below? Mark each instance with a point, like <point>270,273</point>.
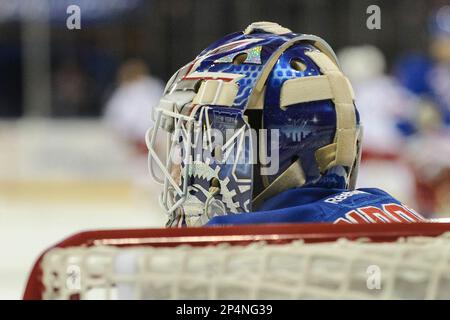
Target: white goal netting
<point>410,268</point>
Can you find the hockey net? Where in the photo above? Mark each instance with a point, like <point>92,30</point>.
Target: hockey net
<point>320,261</point>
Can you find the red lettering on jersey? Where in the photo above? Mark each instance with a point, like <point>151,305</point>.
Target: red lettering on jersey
<point>401,212</point>
<point>352,217</point>
<point>355,217</point>
<point>342,221</point>
<point>374,214</point>
<point>390,213</point>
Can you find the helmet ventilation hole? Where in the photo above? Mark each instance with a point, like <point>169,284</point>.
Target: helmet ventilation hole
<point>214,183</point>
<point>240,58</point>
<point>297,65</point>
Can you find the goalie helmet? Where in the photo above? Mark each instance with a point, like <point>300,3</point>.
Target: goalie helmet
<point>254,114</point>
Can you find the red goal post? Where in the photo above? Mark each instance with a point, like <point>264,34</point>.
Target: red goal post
<point>295,240</point>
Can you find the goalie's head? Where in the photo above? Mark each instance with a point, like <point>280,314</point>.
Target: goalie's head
<point>254,114</point>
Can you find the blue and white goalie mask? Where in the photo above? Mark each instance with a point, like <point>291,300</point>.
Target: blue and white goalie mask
<point>254,114</point>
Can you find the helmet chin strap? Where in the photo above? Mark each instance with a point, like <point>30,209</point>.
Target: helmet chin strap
<point>291,178</point>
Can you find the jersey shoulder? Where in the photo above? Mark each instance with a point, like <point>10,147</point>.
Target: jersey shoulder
<point>367,205</point>
<point>302,205</point>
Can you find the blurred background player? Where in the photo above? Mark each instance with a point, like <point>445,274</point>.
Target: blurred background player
<point>384,104</point>
<point>427,76</point>
<point>130,107</point>
<point>129,112</point>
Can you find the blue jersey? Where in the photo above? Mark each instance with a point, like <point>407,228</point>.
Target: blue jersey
<point>309,205</point>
